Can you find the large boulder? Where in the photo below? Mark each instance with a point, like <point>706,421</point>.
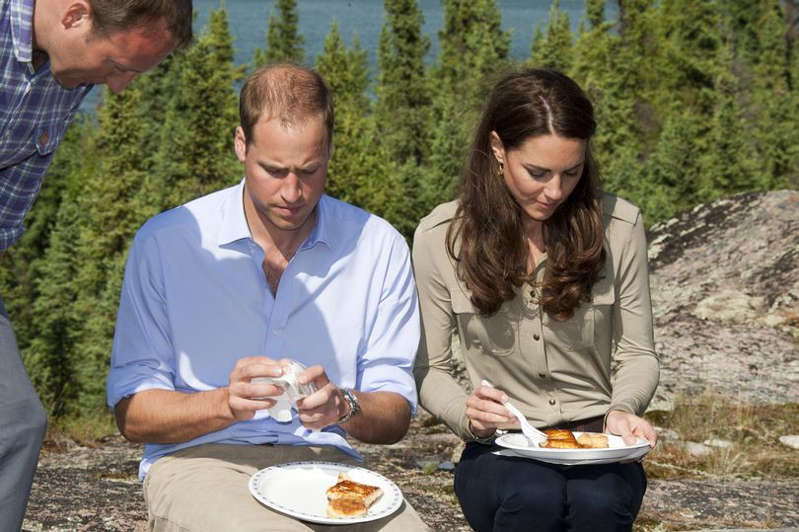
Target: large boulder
<point>725,294</point>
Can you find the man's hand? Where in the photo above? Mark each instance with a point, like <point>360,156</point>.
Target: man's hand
<point>629,427</point>
<point>325,406</point>
<point>244,396</point>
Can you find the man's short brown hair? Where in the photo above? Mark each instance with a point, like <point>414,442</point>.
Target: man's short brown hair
<point>109,16</point>
<point>289,92</point>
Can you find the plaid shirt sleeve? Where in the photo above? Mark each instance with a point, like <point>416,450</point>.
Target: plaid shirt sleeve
<point>35,111</point>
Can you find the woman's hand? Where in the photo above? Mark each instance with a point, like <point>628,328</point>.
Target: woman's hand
<point>486,412</point>
<point>629,427</point>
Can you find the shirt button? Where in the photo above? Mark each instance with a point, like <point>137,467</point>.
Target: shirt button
<point>552,402</point>
<point>536,337</point>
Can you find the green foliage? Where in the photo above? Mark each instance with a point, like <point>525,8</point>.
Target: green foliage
<point>555,49</point>
<point>203,103</point>
<point>283,41</point>
<point>403,99</point>
<point>473,49</point>
<point>694,100</point>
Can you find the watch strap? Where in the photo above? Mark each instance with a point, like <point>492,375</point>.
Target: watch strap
<point>352,401</point>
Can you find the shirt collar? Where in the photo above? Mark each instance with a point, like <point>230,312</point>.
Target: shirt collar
<point>233,225</point>
<point>21,21</point>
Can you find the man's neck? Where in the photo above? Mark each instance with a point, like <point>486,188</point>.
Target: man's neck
<point>39,31</point>
<point>270,237</point>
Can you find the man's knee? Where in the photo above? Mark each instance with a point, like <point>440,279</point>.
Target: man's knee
<point>32,424</point>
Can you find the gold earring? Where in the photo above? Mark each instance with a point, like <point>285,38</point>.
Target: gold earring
<point>501,170</point>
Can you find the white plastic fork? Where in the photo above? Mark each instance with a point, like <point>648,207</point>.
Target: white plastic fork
<point>533,435</point>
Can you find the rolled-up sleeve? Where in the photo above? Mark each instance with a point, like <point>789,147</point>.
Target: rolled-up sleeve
<point>142,356</point>
<point>387,361</point>
<point>637,368</point>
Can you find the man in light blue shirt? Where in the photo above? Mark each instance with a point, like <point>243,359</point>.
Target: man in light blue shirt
<point>52,52</point>
<point>219,291</point>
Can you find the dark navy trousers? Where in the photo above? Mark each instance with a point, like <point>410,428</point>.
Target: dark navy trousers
<point>505,494</point>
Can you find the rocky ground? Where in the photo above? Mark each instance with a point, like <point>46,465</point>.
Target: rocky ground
<point>95,488</point>
<point>725,288</point>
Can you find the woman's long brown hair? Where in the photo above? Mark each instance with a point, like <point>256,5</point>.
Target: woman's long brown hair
<point>487,237</point>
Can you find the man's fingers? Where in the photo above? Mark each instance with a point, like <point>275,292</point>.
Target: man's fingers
<point>315,373</point>
<point>245,408</point>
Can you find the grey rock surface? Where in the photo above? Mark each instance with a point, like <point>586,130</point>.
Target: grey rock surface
<point>725,294</point>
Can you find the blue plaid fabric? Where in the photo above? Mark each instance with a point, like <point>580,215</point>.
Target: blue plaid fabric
<point>34,114</point>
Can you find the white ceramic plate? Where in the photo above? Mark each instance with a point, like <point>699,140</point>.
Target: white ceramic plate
<point>516,444</point>
<point>299,489</point>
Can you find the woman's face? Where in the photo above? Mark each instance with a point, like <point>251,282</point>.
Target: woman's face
<point>542,172</point>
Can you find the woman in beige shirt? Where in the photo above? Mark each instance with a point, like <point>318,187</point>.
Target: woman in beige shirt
<point>544,280</point>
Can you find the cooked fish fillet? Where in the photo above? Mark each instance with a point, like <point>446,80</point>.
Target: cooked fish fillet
<point>560,444</point>
<point>345,507</point>
<point>593,440</point>
<point>349,498</point>
<point>559,434</point>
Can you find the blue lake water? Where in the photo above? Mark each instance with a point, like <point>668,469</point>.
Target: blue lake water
<point>249,20</point>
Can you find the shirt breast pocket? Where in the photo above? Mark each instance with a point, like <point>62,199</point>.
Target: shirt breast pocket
<point>591,321</point>
<point>493,335</point>
<point>48,135</point>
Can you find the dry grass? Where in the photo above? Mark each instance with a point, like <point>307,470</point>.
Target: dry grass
<point>753,430</point>
<point>89,430</point>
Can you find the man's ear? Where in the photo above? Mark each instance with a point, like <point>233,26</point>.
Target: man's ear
<point>240,144</point>
<point>497,147</point>
<point>77,15</point>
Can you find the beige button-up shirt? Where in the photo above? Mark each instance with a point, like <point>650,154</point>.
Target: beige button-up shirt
<point>602,359</point>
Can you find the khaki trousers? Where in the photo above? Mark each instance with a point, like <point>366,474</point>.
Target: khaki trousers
<point>205,488</point>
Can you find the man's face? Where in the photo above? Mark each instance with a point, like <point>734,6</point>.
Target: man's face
<point>285,167</point>
<point>114,59</point>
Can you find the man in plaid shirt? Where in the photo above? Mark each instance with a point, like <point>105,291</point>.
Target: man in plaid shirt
<point>53,52</point>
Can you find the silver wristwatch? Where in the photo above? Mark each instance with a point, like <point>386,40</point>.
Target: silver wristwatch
<point>354,406</point>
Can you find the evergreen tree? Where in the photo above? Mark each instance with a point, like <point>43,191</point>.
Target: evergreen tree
<point>403,99</point>
<point>729,165</point>
<point>448,155</point>
<point>669,181</point>
<point>473,49</point>
<point>361,171</point>
<point>108,218</point>
<point>283,42</point>
<point>196,155</point>
<point>49,357</point>
<point>611,67</point>
<point>595,12</point>
<point>774,104</point>
<point>18,271</point>
<point>346,72</point>
<point>555,50</point>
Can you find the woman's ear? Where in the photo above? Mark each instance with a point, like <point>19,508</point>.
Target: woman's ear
<point>497,147</point>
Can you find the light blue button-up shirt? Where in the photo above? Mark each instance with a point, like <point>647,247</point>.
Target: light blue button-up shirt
<point>195,299</point>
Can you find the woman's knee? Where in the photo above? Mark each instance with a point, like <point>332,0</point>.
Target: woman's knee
<point>613,499</point>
